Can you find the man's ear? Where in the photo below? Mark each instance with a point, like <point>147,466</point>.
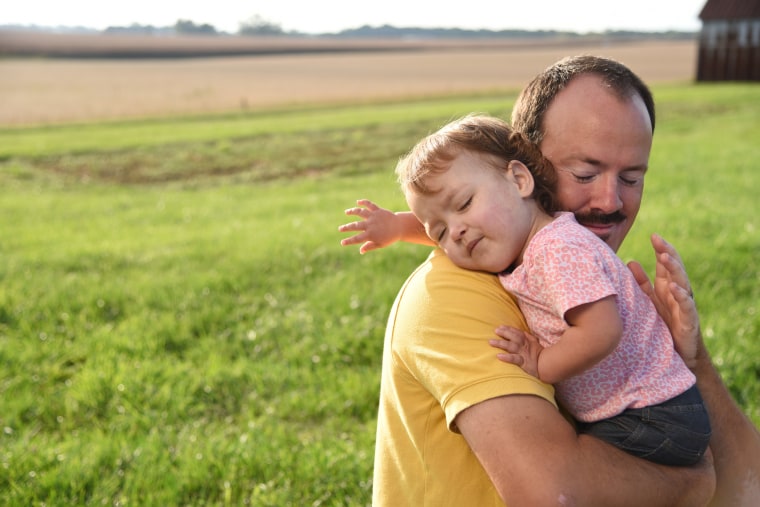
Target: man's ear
<point>522,177</point>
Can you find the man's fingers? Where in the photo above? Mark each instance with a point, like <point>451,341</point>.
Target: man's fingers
<point>680,294</point>
<point>669,257</point>
<point>641,277</point>
<point>676,270</point>
<point>662,246</point>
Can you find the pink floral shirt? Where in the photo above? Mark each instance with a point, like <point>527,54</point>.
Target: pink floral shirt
<point>565,266</point>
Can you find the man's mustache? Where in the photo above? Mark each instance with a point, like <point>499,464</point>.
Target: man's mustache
<point>600,218</point>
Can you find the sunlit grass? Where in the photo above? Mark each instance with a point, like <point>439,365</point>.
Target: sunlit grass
<point>179,326</point>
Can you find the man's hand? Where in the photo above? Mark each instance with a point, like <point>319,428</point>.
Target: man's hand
<point>673,298</point>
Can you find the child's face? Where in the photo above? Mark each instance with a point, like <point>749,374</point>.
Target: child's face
<point>482,217</point>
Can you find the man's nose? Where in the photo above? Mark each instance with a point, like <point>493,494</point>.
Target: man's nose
<point>607,196</point>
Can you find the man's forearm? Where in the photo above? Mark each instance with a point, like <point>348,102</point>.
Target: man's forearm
<point>735,441</point>
<point>639,481</point>
<point>534,457</point>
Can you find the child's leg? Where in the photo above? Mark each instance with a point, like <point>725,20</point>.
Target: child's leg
<point>676,432</point>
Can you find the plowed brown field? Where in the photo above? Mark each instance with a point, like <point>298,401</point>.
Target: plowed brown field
<point>40,91</point>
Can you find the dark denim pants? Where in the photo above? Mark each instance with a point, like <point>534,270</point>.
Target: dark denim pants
<point>675,432</point>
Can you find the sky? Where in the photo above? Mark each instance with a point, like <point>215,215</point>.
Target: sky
<point>328,16</point>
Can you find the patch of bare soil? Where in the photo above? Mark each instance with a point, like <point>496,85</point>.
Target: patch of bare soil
<point>45,91</point>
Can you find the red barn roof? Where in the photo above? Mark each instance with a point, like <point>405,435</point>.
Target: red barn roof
<point>730,9</point>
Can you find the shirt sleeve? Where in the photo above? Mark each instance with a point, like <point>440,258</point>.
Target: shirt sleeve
<point>571,272</point>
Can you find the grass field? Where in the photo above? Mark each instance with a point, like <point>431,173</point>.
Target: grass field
<point>179,326</point>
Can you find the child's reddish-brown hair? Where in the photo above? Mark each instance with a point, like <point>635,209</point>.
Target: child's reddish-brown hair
<point>478,134</point>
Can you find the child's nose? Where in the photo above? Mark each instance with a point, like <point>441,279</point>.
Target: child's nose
<point>457,231</point>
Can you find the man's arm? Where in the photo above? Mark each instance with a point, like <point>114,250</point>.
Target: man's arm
<point>735,441</point>
<point>534,458</point>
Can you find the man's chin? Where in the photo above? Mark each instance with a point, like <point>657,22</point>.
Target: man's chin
<point>612,234</point>
<point>603,231</point>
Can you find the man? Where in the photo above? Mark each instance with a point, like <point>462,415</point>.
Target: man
<point>456,429</point>
<point>585,187</point>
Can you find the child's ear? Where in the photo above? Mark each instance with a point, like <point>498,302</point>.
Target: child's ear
<point>522,177</point>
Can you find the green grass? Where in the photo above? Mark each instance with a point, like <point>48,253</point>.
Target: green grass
<point>100,137</point>
<point>179,326</point>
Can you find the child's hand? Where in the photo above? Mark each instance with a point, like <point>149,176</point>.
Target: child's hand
<point>520,348</point>
<point>378,228</point>
<point>672,296</point>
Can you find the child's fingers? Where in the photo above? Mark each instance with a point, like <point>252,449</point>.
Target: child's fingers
<point>515,359</point>
<point>358,212</point>
<point>519,339</point>
<point>499,344</point>
<point>352,226</point>
<point>368,247</point>
<point>354,240</point>
<point>511,346</point>
<point>509,333</point>
<point>368,204</point>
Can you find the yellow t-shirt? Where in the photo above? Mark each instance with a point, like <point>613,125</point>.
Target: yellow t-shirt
<point>436,363</point>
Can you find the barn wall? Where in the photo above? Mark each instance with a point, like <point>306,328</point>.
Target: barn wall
<point>729,50</point>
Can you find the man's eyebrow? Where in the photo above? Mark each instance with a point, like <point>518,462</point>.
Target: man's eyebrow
<point>598,163</point>
<point>590,161</point>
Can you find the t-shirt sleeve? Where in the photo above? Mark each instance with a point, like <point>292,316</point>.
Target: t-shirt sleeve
<point>570,273</point>
<point>448,315</point>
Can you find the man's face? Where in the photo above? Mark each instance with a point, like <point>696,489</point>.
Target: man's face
<point>600,146</point>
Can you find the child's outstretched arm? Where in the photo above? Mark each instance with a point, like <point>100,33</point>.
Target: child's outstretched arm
<point>594,331</point>
<point>380,227</point>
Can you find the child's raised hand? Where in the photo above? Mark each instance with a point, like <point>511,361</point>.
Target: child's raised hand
<point>520,348</point>
<point>377,228</point>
